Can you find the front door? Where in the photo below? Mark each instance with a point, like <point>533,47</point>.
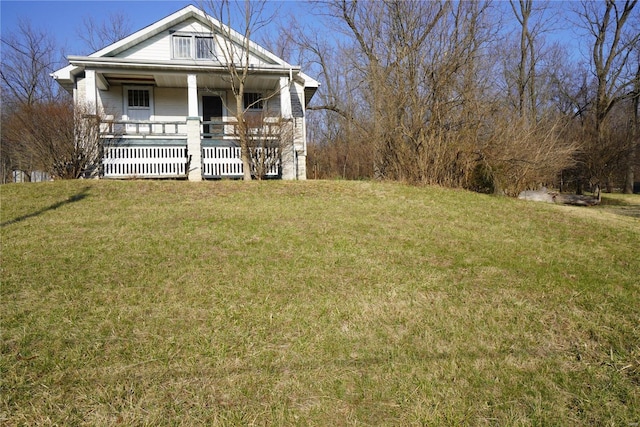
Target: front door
<point>139,105</point>
<point>212,112</point>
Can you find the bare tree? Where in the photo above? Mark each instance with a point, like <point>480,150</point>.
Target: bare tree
<point>340,145</point>
<point>634,103</point>
<point>533,23</point>
<point>413,89</point>
<point>614,29</point>
<point>41,128</point>
<point>97,35</point>
<point>234,48</point>
<point>268,138</point>
<point>612,48</point>
<point>72,148</point>
<point>28,57</point>
<point>525,145</point>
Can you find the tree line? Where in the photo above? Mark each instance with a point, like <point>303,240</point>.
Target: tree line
<point>475,94</point>
<point>42,130</point>
<point>472,95</point>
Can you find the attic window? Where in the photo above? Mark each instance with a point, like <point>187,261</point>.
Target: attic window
<point>192,47</point>
<point>204,47</point>
<point>182,47</point>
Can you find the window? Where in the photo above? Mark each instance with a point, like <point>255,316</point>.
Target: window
<point>252,101</point>
<point>138,98</point>
<point>181,47</point>
<point>204,47</point>
<point>192,47</point>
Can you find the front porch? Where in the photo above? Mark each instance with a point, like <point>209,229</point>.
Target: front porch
<point>153,149</point>
<point>181,126</point>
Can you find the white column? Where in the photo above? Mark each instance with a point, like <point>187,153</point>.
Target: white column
<point>192,85</point>
<point>285,98</point>
<point>288,158</point>
<point>90,89</point>
<point>302,166</point>
<point>288,154</point>
<point>194,149</point>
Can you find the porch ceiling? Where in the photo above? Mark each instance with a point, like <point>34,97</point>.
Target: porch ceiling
<point>211,80</point>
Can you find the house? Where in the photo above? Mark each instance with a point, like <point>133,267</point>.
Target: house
<point>166,103</point>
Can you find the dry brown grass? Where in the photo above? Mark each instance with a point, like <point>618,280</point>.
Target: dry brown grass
<point>313,303</point>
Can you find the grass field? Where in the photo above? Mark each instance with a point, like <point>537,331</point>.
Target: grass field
<point>315,303</point>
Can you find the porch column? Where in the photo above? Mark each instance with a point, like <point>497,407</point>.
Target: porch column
<point>288,153</point>
<point>302,166</point>
<point>288,158</point>
<point>285,98</point>
<point>302,154</point>
<point>90,89</point>
<point>192,85</point>
<point>194,150</point>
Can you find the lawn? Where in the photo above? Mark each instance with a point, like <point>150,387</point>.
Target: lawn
<point>315,303</point>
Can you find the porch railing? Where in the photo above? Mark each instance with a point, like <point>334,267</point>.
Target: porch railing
<point>210,129</point>
<point>145,162</point>
<point>223,162</point>
<point>151,149</point>
<point>144,128</point>
<point>267,131</point>
<point>215,129</point>
<point>172,162</point>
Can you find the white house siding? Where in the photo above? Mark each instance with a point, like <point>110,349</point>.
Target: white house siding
<point>231,102</point>
<point>253,59</point>
<point>192,26</point>
<point>273,106</point>
<point>297,109</point>
<point>174,94</point>
<point>157,47</point>
<point>110,101</point>
<point>170,104</point>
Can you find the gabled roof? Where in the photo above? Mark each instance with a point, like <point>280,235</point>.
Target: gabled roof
<point>174,19</point>
<point>66,76</point>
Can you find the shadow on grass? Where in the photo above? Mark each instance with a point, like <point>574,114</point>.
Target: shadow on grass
<point>620,207</point>
<point>72,199</point>
<point>612,201</point>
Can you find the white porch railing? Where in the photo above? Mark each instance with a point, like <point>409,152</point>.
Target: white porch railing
<point>145,162</point>
<point>220,162</point>
<point>144,149</point>
<point>144,128</point>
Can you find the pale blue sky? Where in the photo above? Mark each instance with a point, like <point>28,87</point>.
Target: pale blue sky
<point>63,19</point>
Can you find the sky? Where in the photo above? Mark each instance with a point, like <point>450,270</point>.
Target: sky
<point>63,19</point>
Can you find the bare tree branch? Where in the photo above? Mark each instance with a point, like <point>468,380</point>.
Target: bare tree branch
<point>97,35</point>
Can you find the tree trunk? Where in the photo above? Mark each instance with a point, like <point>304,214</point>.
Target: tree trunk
<point>244,148</point>
<point>633,150</point>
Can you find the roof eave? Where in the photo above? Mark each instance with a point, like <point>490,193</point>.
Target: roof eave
<point>167,65</point>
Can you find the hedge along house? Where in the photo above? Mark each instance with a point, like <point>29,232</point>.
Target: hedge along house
<point>165,98</point>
